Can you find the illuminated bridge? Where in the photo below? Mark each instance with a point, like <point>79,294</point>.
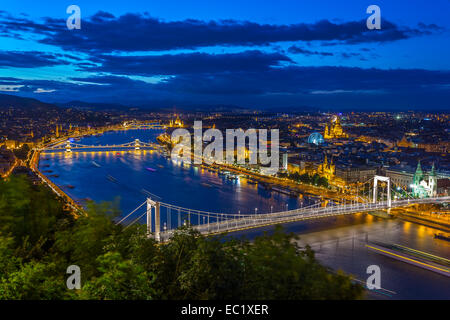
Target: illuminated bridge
<point>149,125</point>
<point>155,212</point>
<point>69,146</point>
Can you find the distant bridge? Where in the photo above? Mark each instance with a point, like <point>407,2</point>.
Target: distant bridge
<point>69,146</point>
<point>150,125</point>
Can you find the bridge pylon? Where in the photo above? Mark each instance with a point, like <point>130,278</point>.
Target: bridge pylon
<point>68,146</point>
<point>150,205</point>
<point>375,189</point>
<point>137,144</point>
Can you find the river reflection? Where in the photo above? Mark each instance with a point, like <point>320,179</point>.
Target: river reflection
<point>340,243</point>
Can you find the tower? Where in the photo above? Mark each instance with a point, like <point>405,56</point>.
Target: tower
<point>418,175</point>
<point>419,185</point>
<point>432,182</point>
<point>285,161</point>
<point>332,167</point>
<point>326,134</point>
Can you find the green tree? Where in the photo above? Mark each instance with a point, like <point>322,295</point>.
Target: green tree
<point>22,152</point>
<point>323,182</point>
<point>119,279</point>
<point>88,237</point>
<point>33,280</point>
<point>305,178</point>
<point>39,240</point>
<point>277,268</point>
<point>30,214</point>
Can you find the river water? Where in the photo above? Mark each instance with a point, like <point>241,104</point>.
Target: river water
<point>339,242</point>
<point>105,176</point>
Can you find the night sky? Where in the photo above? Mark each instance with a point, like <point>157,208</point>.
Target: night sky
<point>257,54</point>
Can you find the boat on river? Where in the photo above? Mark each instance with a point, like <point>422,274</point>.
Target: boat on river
<point>96,164</point>
<point>206,184</point>
<point>111,178</point>
<point>442,236</point>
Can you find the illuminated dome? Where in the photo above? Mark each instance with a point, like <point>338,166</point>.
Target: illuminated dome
<point>315,138</point>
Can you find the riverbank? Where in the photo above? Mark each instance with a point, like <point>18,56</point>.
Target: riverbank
<point>34,165</point>
<point>423,221</point>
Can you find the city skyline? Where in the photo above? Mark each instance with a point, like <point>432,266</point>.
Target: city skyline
<point>304,56</point>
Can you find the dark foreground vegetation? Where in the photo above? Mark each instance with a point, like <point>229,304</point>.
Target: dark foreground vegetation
<point>39,239</point>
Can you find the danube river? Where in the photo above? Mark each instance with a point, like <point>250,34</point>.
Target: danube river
<point>106,176</point>
<point>339,242</point>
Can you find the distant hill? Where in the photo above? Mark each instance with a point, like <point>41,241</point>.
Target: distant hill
<point>82,105</point>
<point>8,100</point>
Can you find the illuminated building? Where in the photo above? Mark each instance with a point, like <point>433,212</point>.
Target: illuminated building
<point>177,123</point>
<point>285,162</point>
<point>405,143</point>
<point>316,138</point>
<point>420,186</point>
<point>327,170</point>
<point>400,176</point>
<point>334,129</point>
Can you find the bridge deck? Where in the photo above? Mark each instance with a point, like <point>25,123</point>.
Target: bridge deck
<point>261,220</point>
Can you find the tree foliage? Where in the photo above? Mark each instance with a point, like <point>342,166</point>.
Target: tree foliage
<point>22,152</point>
<point>39,240</point>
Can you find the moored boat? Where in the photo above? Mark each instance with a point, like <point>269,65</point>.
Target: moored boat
<point>441,236</point>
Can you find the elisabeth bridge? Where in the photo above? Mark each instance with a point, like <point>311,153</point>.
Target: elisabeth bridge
<point>162,219</point>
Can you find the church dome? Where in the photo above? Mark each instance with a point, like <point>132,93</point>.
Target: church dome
<point>315,138</point>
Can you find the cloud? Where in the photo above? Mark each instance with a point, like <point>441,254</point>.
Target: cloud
<point>40,90</point>
<point>187,63</point>
<point>430,27</point>
<point>287,80</point>
<point>297,79</point>
<point>298,50</point>
<point>348,55</point>
<point>103,32</point>
<point>29,59</point>
<point>293,85</point>
<point>10,88</point>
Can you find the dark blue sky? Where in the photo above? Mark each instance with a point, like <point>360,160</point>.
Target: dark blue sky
<point>249,53</point>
